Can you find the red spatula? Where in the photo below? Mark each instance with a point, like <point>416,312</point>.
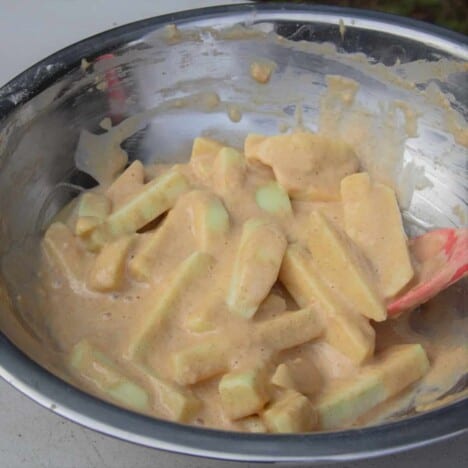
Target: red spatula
<point>441,259</point>
<point>115,91</point>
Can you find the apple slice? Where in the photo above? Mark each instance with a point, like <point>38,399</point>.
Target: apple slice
<point>258,260</point>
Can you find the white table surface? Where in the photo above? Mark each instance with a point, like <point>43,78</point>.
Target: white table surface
<point>31,436</point>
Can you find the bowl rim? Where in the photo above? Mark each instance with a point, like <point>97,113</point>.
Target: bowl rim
<point>70,402</point>
<point>51,392</point>
<point>43,73</point>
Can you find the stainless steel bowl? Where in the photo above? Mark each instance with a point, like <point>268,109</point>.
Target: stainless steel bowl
<point>43,110</point>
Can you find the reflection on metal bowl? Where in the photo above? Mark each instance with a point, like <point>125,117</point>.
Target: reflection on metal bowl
<point>43,111</point>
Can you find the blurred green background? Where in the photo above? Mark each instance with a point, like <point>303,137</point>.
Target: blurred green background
<point>451,14</point>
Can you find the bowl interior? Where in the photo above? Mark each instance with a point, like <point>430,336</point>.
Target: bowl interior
<point>179,84</point>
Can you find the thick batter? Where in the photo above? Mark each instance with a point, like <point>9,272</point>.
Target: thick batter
<point>246,291</point>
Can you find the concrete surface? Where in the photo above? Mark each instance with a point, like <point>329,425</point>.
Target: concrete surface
<point>33,437</point>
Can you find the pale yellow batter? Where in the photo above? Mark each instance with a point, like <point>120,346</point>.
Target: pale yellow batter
<point>246,290</point>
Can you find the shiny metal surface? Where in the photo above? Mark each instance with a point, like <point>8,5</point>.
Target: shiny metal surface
<point>43,110</point>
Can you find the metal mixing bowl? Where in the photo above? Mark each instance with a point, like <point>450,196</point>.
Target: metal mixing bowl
<point>43,110</point>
